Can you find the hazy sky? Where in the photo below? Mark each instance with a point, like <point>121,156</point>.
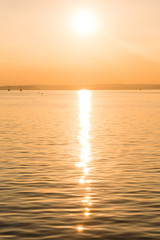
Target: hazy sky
<point>38,44</point>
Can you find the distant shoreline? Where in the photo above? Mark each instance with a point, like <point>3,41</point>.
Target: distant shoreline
<point>89,87</point>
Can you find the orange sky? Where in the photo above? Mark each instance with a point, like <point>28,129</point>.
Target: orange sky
<point>39,46</point>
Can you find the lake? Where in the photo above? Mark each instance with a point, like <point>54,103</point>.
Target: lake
<point>80,165</point>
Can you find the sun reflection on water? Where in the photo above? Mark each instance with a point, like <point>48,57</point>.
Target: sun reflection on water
<point>85,155</point>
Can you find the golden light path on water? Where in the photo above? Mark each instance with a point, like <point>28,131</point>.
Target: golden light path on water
<point>85,155</point>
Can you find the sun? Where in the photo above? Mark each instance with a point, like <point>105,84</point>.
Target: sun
<point>84,23</point>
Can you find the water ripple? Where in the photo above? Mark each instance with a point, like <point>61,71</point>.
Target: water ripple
<point>112,194</point>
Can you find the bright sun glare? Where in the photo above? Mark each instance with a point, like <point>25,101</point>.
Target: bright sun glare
<point>84,23</point>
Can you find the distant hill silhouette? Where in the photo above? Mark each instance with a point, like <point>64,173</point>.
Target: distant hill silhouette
<point>16,87</point>
<point>90,87</point>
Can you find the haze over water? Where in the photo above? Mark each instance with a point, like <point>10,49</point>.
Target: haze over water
<point>80,165</point>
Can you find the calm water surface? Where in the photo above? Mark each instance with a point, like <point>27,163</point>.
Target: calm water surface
<point>80,165</point>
